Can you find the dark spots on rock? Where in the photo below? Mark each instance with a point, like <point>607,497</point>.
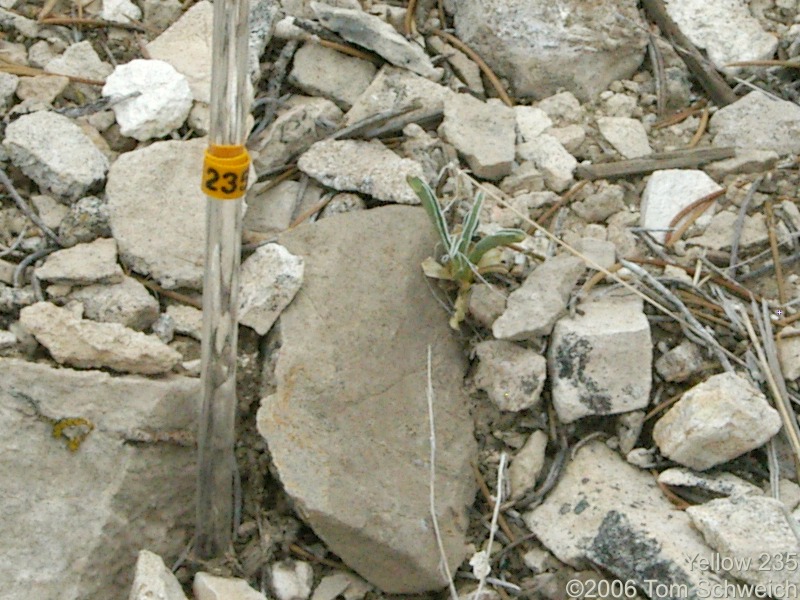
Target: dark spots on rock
<point>572,356</point>
<point>581,506</point>
<point>565,509</point>
<point>529,384</point>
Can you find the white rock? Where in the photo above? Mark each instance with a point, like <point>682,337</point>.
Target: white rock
<point>86,344</point>
<point>80,60</point>
<point>155,210</point>
<point>42,90</point>
<point>395,88</point>
<point>716,421</point>
<point>163,102</point>
<point>754,530</point>
<point>668,192</point>
<point>486,303</point>
<point>541,48</point>
<point>188,320</point>
<point>569,136</point>
<point>719,233</point>
<point>186,45</point>
<point>269,280</point>
<point>7,339</point>
<point>552,159</point>
<point>365,167</point>
<point>271,212</point>
<point>628,136</point>
<point>293,132</point>
<point>50,211</point>
<point>585,355</point>
<point>153,580</point>
<point>120,11</point>
<point>725,29</point>
<point>331,586</point>
<point>603,201</point>
<point>83,264</point>
<point>563,107</point>
<point>73,522</point>
<point>745,161</point>
<point>758,122</point>
<point>789,493</point>
<point>538,560</point>
<point>601,252</point>
<point>789,352</point>
<point>483,132</point>
<point>680,362</point>
<point>211,587</point>
<point>586,517</point>
<point>533,308</point>
<point>8,85</point>
<point>372,33</point>
<point>292,580</point>
<point>128,303</point>
<point>511,375</point>
<point>531,122</point>
<point>726,484</point>
<point>321,71</point>
<point>527,464</point>
<point>56,153</point>
<point>463,66</point>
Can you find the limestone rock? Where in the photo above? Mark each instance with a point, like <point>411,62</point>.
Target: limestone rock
<point>531,122</point>
<point>54,152</point>
<point>668,192</point>
<point>541,48</point>
<point>49,210</point>
<point>74,521</point>
<point>86,221</point>
<point>716,421</point>
<point>211,587</point>
<point>269,280</point>
<point>527,464</point>
<point>552,159</point>
<point>513,376</point>
<point>153,580</point>
<point>533,308</point>
<point>83,264</point>
<point>188,320</point>
<point>726,30</point>
<point>726,484</point>
<point>163,102</point>
<point>271,211</point>
<point>80,60</point>
<point>585,355</point>
<point>155,209</point>
<point>745,161</point>
<point>789,352</point>
<point>680,362</point>
<point>120,11</point>
<point>483,132</point>
<point>292,580</point>
<point>86,344</point>
<point>354,391</point>
<point>719,233</point>
<point>372,33</point>
<point>637,535</point>
<point>395,88</point>
<point>186,45</point>
<point>293,132</point>
<point>365,167</point>
<point>757,122</point>
<point>127,303</point>
<point>628,136</point>
<point>754,530</point>
<point>320,71</point>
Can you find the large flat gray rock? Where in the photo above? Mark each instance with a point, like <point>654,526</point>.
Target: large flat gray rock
<point>348,425</point>
<point>157,211</point>
<point>73,522</point>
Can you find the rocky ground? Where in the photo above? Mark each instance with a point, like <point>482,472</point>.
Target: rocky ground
<point>614,415</point>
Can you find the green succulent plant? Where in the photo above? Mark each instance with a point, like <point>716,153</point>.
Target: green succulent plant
<point>464,259</point>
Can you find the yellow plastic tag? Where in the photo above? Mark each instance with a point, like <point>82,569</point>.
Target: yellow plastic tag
<point>225,171</point>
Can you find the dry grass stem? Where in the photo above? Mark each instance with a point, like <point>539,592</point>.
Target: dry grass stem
<point>701,129</point>
<point>776,257</point>
<point>493,79</point>
<point>409,24</point>
<point>432,484</point>
<point>696,208</point>
<point>498,500</point>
